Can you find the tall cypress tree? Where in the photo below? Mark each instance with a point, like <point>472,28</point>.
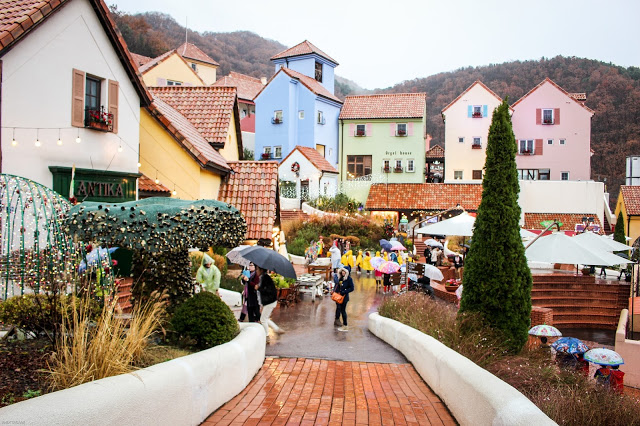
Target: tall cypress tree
<point>618,231</point>
<point>497,281</point>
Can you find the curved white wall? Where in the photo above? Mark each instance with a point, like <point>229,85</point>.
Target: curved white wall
<point>473,395</point>
<point>183,391</point>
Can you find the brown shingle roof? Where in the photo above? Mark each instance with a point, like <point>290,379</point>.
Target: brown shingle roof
<point>315,158</point>
<point>423,196</point>
<point>191,51</point>
<point>210,109</point>
<point>478,82</point>
<point>397,105</point>
<point>568,220</point>
<point>631,198</point>
<point>304,48</point>
<point>146,184</point>
<point>19,17</point>
<point>435,151</point>
<point>253,189</point>
<point>248,87</point>
<point>186,134</point>
<point>140,60</point>
<point>548,80</point>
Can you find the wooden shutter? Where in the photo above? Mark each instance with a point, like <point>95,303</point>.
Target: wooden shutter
<point>77,99</point>
<point>161,81</point>
<point>410,129</point>
<point>556,116</point>
<point>352,129</point>
<point>538,149</point>
<point>114,93</point>
<point>392,129</point>
<point>369,129</point>
<point>538,116</point>
<point>485,110</point>
<point>470,111</point>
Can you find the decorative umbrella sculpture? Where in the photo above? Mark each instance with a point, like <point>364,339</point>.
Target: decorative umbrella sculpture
<point>388,267</point>
<point>603,356</point>
<point>570,345</point>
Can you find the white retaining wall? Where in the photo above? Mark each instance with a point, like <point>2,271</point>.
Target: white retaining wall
<point>183,391</point>
<point>473,395</point>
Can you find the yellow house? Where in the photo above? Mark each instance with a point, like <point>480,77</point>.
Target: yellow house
<point>629,204</point>
<point>200,62</point>
<point>187,137</point>
<point>169,69</point>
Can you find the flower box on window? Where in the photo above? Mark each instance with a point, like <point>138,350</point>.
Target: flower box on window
<point>476,146</point>
<point>402,133</point>
<point>386,169</point>
<point>527,152</point>
<point>99,120</point>
<point>397,170</point>
<point>359,132</point>
<point>276,120</point>
<point>476,115</point>
<point>547,121</point>
<point>266,155</point>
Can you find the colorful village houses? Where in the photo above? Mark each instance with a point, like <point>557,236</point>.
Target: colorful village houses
<point>168,69</point>
<point>70,97</point>
<point>298,105</point>
<point>629,204</point>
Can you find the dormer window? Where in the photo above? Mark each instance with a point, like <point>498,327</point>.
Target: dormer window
<point>319,71</point>
<point>547,116</point>
<point>401,129</point>
<point>477,111</point>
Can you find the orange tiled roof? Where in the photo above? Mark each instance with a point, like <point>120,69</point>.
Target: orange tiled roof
<point>304,48</point>
<point>189,137</point>
<point>435,151</point>
<point>423,196</point>
<point>310,83</point>
<point>248,87</point>
<point>19,17</point>
<point>568,220</point>
<point>253,189</point>
<point>191,51</point>
<point>209,108</point>
<point>469,88</point>
<point>631,198</point>
<point>548,80</point>
<point>397,105</point>
<point>159,59</point>
<point>147,184</point>
<point>315,158</point>
<point>140,60</point>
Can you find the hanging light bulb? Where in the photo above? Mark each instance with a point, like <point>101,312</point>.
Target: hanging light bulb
<point>174,193</point>
<point>120,148</point>
<point>139,165</point>
<point>78,140</point>
<point>14,142</point>
<point>38,138</point>
<point>59,142</point>
<point>157,181</point>
<point>13,139</point>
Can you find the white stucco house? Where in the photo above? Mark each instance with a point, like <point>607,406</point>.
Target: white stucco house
<point>71,96</point>
<point>305,174</point>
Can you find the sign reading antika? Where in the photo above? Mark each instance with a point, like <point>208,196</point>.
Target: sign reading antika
<point>95,185</point>
<point>98,189</point>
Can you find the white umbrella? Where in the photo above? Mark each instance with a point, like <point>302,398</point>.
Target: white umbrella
<point>559,248</point>
<point>600,242</point>
<point>461,225</point>
<point>235,256</point>
<point>433,243</point>
<point>527,234</point>
<point>433,273</point>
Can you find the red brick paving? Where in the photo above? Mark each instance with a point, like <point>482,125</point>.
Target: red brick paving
<point>288,391</point>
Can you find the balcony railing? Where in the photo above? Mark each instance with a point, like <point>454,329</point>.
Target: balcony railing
<point>276,120</point>
<point>386,169</point>
<point>526,152</point>
<point>98,119</point>
<point>359,133</point>
<point>476,146</point>
<point>266,156</point>
<point>476,115</point>
<point>401,133</point>
<point>547,121</point>
<point>397,170</point>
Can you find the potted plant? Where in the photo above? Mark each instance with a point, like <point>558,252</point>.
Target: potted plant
<point>451,285</point>
<point>402,132</point>
<point>386,169</point>
<point>99,120</point>
<point>476,146</point>
<point>477,115</point>
<point>398,170</point>
<point>359,132</point>
<point>266,155</point>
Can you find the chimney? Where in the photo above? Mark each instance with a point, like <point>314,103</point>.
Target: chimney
<point>263,80</point>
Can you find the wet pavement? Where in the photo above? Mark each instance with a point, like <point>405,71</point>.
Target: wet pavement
<point>310,332</point>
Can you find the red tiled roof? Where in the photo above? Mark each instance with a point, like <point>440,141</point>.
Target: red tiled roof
<point>435,151</point>
<point>209,108</point>
<point>568,220</point>
<point>248,87</point>
<point>19,17</point>
<point>248,124</point>
<point>191,51</point>
<point>189,137</point>
<point>140,60</point>
<point>253,189</point>
<point>548,80</point>
<point>314,158</point>
<point>147,184</point>
<point>304,48</point>
<point>631,198</point>
<point>469,88</point>
<point>580,97</point>
<point>423,196</point>
<point>310,83</point>
<point>397,105</point>
<point>159,59</point>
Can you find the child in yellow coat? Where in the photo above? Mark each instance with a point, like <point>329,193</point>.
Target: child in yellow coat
<point>347,260</point>
<point>359,262</point>
<point>366,263</point>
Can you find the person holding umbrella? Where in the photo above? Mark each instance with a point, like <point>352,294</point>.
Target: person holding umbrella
<point>208,275</point>
<point>268,299</point>
<point>343,286</point>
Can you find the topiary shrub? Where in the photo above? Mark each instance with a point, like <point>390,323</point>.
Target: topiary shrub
<point>206,320</point>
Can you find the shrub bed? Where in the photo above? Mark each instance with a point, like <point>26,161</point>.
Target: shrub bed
<point>564,395</point>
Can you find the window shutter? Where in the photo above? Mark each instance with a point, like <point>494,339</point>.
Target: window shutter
<point>556,116</point>
<point>369,131</point>
<point>161,81</point>
<point>392,129</point>
<point>538,116</point>
<point>470,111</point>
<point>410,129</point>
<point>77,99</point>
<point>485,111</point>
<point>113,103</point>
<point>538,148</point>
<point>352,129</point>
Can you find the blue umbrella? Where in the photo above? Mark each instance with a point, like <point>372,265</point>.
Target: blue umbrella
<point>570,345</point>
<point>386,245</point>
<point>95,256</point>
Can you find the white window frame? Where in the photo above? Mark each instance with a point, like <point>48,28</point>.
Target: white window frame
<point>458,172</point>
<point>552,117</point>
<point>562,176</point>
<point>563,142</point>
<point>386,164</point>
<point>406,129</point>
<point>277,116</point>
<point>549,141</point>
<point>397,164</point>
<point>527,142</point>
<point>411,165</point>
<point>461,139</point>
<point>479,139</point>
<point>301,115</point>
<point>174,83</point>
<point>479,111</point>
<point>277,154</point>
<point>364,130</point>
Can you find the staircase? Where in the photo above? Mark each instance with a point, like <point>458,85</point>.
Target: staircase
<point>293,215</point>
<point>123,295</point>
<point>580,301</point>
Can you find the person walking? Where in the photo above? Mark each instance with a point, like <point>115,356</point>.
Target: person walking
<point>253,303</point>
<point>359,262</point>
<point>244,279</point>
<point>366,263</point>
<point>269,300</point>
<point>347,260</point>
<point>427,255</point>
<point>377,274</point>
<point>208,275</point>
<point>343,286</point>
<point>335,255</point>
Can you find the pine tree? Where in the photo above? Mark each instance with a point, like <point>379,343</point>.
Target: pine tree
<point>618,232</point>
<point>497,281</point>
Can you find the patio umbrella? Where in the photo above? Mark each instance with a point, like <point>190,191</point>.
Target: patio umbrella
<point>545,330</point>
<point>386,245</point>
<point>600,242</point>
<point>603,356</point>
<point>527,234</point>
<point>396,245</point>
<point>388,267</point>
<point>433,273</point>
<point>569,345</point>
<point>433,243</point>
<point>235,256</point>
<point>461,225</point>
<point>559,248</point>
<point>270,260</point>
<point>376,262</point>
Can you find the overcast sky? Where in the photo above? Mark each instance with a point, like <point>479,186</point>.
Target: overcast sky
<point>381,43</point>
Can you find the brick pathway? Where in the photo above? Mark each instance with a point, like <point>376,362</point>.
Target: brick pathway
<point>312,391</point>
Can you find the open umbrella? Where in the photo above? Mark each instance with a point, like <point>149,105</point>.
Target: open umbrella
<point>569,345</point>
<point>461,225</point>
<point>376,262</point>
<point>603,356</point>
<point>433,243</point>
<point>600,242</point>
<point>270,260</point>
<point>527,234</point>
<point>235,256</point>
<point>386,245</point>
<point>396,245</point>
<point>559,248</point>
<point>388,267</point>
<point>545,330</point>
<point>433,273</point>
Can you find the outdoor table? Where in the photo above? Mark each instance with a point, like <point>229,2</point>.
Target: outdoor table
<point>312,284</point>
<point>321,268</point>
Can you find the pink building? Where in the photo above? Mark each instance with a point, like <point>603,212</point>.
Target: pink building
<point>553,132</point>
